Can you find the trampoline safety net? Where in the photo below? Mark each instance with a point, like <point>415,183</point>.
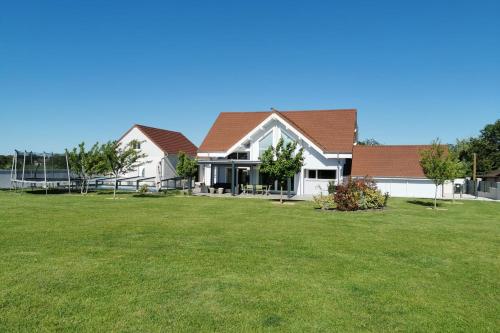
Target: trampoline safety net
<point>47,169</point>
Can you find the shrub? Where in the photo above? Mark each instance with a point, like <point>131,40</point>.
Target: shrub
<point>386,198</point>
<point>144,189</point>
<point>331,187</point>
<point>359,194</point>
<point>324,202</point>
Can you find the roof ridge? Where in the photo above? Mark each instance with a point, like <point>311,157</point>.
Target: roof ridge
<point>299,128</point>
<point>156,128</point>
<point>384,146</point>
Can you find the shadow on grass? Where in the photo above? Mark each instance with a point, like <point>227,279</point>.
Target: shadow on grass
<point>423,203</point>
<point>49,191</point>
<point>108,192</point>
<point>151,195</point>
<point>285,200</point>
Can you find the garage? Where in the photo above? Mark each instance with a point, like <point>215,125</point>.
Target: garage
<point>395,169</point>
<point>412,188</point>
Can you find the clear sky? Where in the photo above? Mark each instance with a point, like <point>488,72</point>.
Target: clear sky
<point>88,70</point>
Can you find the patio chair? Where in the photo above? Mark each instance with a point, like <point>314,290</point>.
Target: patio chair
<point>249,188</point>
<point>259,188</point>
<point>266,189</point>
<point>243,189</point>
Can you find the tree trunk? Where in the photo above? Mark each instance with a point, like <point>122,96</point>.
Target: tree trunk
<point>281,193</point>
<point>435,197</point>
<point>114,188</point>
<point>453,191</point>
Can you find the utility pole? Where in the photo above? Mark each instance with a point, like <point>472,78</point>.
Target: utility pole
<point>474,173</point>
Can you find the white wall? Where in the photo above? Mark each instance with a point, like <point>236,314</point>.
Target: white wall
<point>407,187</point>
<point>313,159</point>
<point>153,153</point>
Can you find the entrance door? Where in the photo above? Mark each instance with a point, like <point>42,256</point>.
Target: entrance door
<point>243,176</point>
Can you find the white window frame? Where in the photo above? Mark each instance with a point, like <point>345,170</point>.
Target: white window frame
<point>270,132</point>
<point>306,174</point>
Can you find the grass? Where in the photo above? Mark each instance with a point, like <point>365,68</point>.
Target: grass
<point>72,263</point>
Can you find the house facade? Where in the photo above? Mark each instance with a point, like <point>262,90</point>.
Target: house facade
<point>160,147</point>
<point>229,155</point>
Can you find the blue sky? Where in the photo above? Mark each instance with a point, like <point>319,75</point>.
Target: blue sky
<point>74,71</point>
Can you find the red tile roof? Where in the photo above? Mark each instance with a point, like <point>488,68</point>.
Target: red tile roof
<point>387,161</point>
<point>331,130</point>
<point>170,142</point>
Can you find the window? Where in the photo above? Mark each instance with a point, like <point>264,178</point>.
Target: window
<point>286,138</point>
<point>327,174</point>
<point>322,174</point>
<point>266,142</point>
<point>238,156</point>
<point>311,174</point>
<point>136,145</point>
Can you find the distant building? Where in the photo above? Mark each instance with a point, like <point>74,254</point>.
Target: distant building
<point>161,148</point>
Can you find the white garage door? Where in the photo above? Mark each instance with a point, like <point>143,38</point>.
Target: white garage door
<point>413,188</point>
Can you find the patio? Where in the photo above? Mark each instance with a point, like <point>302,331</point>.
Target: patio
<point>239,177</point>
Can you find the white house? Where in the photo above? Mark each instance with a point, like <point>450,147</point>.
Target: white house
<point>396,170</point>
<point>161,148</point>
<point>229,154</point>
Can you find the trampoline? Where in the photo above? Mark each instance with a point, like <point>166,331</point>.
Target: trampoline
<point>40,170</point>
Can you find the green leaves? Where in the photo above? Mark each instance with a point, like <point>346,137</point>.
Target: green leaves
<point>282,162</point>
<point>119,160</point>
<point>186,166</point>
<point>440,165</point>
<point>486,146</point>
<point>435,163</point>
<point>110,157</point>
<point>85,163</point>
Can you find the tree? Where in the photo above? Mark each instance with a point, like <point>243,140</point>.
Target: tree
<point>5,161</point>
<point>456,169</point>
<point>282,162</point>
<point>486,146</point>
<point>438,165</point>
<point>369,142</point>
<point>86,164</point>
<point>186,167</point>
<point>119,160</point>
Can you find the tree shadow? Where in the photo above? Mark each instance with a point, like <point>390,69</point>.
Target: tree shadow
<point>149,196</point>
<point>49,191</point>
<point>422,203</point>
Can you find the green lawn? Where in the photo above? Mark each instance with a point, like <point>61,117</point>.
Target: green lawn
<point>72,263</point>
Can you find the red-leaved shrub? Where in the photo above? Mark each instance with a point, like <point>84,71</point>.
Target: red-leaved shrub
<point>360,193</point>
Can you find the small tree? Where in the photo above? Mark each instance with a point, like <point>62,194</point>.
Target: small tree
<point>119,160</point>
<point>282,163</point>
<point>86,164</point>
<point>186,167</point>
<point>439,165</point>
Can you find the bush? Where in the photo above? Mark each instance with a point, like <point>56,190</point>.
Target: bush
<point>359,194</point>
<point>144,189</point>
<point>324,202</point>
<point>386,198</point>
<point>331,187</point>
